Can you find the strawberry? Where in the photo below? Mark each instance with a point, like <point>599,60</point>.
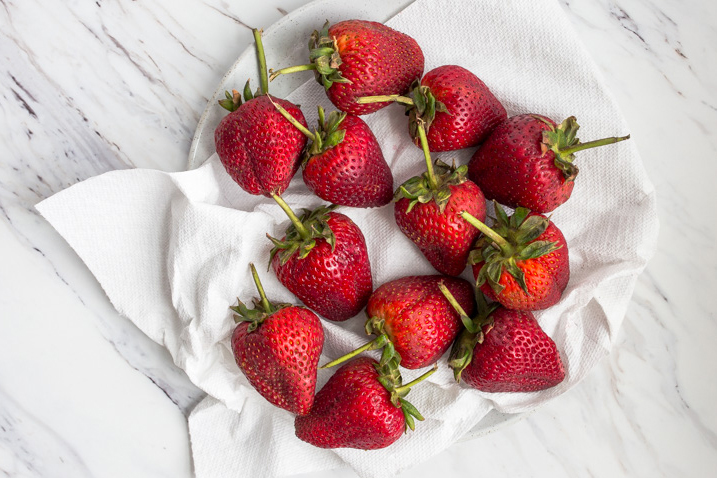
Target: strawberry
<point>412,319</point>
<point>277,346</point>
<point>416,318</point>
<point>259,149</point>
<point>344,164</point>
<point>528,161</point>
<point>357,58</point>
<point>503,350</point>
<point>456,108</point>
<point>361,406</point>
<point>522,262</point>
<point>324,262</point>
<point>428,209</point>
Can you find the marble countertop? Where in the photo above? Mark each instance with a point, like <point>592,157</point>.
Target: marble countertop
<point>89,87</point>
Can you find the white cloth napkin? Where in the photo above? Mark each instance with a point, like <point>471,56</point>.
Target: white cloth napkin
<point>172,250</point>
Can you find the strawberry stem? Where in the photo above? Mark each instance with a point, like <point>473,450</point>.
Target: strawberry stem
<point>467,321</point>
<point>497,238</point>
<point>263,81</point>
<point>291,69</point>
<point>593,144</point>
<point>404,100</point>
<point>403,389</point>
<point>264,301</point>
<point>427,155</point>
<point>293,120</point>
<point>376,343</point>
<point>449,297</point>
<point>294,220</point>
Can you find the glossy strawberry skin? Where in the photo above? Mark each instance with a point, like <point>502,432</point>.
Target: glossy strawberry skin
<point>418,319</point>
<point>280,357</point>
<point>545,277</point>
<point>378,60</point>
<point>354,172</point>
<point>353,410</point>
<point>511,168</point>
<point>473,111</point>
<point>444,238</point>
<point>516,356</point>
<point>336,284</point>
<point>258,147</point>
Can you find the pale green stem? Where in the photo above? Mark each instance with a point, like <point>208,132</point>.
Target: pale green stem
<point>404,100</point>
<point>593,144</point>
<point>291,69</point>
<point>303,232</point>
<point>263,81</point>
<point>292,120</point>
<point>264,301</point>
<point>376,343</point>
<point>427,155</point>
<point>404,388</point>
<point>452,300</point>
<point>502,243</point>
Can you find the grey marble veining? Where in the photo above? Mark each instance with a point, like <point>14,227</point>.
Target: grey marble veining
<point>89,87</point>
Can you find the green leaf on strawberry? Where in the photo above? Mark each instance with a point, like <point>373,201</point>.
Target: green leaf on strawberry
<point>418,189</point>
<point>303,232</point>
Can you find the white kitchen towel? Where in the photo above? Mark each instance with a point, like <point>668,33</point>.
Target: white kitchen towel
<point>172,250</point>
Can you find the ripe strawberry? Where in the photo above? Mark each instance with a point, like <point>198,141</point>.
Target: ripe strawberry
<point>259,149</point>
<point>528,161</point>
<point>504,350</point>
<point>416,318</point>
<point>361,406</point>
<point>324,262</point>
<point>455,106</point>
<point>277,346</point>
<point>522,262</point>
<point>344,163</point>
<point>428,211</point>
<point>357,58</point>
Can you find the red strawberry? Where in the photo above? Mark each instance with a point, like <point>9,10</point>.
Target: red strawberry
<point>277,346</point>
<point>324,262</point>
<point>259,149</point>
<point>462,112</point>
<point>504,350</point>
<point>522,262</point>
<point>428,211</point>
<point>344,163</point>
<point>528,161</point>
<point>357,58</point>
<point>416,318</point>
<point>455,106</point>
<point>361,406</point>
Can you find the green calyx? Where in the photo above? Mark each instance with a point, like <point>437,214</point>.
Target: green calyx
<point>324,53</point>
<point>262,307</point>
<point>398,391</point>
<point>302,234</point>
<point>563,141</point>
<point>328,134</point>
<point>324,57</point>
<point>461,353</point>
<point>389,374</point>
<point>232,101</point>
<point>418,189</point>
<point>511,240</point>
<point>423,110</point>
